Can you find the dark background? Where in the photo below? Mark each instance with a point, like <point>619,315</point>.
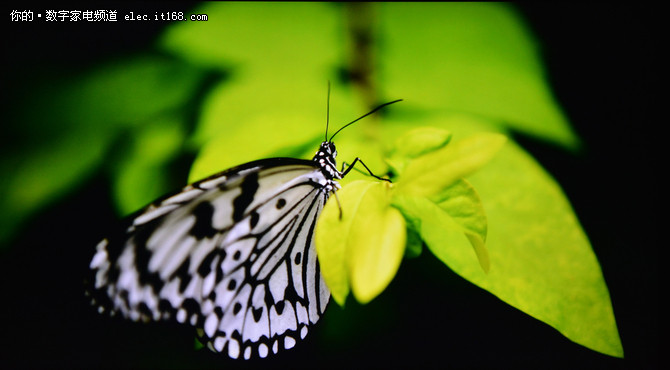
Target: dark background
<point>602,63</point>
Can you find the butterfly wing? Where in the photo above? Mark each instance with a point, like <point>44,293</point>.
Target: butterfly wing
<point>232,255</point>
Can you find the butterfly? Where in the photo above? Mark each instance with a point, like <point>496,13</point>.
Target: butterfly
<point>232,255</point>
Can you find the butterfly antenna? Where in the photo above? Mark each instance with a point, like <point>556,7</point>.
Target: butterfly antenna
<point>363,116</point>
<point>327,111</point>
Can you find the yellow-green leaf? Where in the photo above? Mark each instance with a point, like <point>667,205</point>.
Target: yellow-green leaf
<point>462,203</point>
<point>376,243</point>
<point>429,174</point>
<point>441,232</point>
<point>415,143</point>
<point>361,247</point>
<point>542,262</point>
<point>331,237</point>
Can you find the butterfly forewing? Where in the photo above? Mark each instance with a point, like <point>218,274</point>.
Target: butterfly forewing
<point>232,255</point>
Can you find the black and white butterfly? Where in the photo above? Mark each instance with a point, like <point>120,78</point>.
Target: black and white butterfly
<point>232,255</point>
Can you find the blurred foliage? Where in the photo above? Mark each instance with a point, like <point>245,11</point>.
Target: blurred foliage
<point>462,70</point>
<point>66,127</point>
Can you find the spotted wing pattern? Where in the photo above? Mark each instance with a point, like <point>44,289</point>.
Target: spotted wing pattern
<point>232,255</point>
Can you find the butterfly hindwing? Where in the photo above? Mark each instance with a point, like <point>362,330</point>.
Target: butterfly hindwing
<point>232,255</point>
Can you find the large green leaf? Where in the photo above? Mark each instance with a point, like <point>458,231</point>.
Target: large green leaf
<point>475,58</point>
<point>541,262</point>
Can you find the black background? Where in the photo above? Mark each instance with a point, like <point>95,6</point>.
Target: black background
<point>602,63</point>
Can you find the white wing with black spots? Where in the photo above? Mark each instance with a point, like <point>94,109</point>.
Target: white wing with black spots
<point>232,255</point>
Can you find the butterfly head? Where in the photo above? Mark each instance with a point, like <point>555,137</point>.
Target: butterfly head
<point>325,156</point>
<point>328,149</point>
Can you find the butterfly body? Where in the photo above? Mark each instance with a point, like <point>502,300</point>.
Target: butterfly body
<point>232,254</point>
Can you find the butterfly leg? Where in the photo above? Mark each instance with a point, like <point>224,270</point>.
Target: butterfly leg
<point>339,205</point>
<point>351,166</point>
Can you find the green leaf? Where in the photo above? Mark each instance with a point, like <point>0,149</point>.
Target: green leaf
<point>441,231</point>
<point>364,247</point>
<point>541,260</point>
<point>462,203</point>
<point>476,58</point>
<point>459,200</point>
<point>429,174</point>
<point>540,257</point>
<point>415,143</point>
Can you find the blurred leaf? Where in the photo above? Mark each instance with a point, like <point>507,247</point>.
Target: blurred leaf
<point>44,173</point>
<point>119,93</point>
<point>68,124</point>
<point>414,245</point>
<point>230,149</point>
<point>268,34</point>
<point>277,66</point>
<point>141,176</point>
<point>477,58</point>
<point>260,137</point>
